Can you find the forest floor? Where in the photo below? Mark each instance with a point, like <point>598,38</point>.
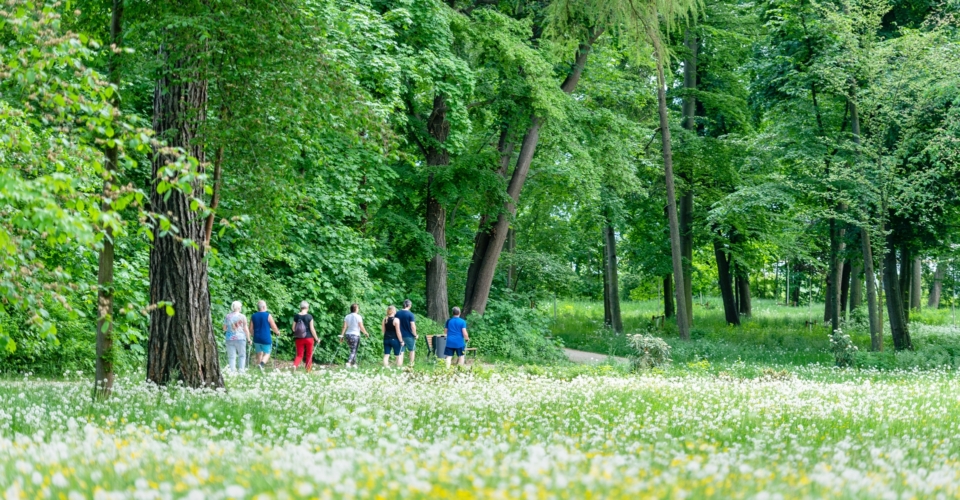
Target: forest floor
<point>590,357</point>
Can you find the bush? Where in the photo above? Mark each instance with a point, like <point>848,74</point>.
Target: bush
<point>844,352</point>
<point>651,352</point>
<point>514,333</point>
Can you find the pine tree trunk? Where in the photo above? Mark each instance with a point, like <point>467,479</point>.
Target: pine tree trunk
<point>437,158</point>
<point>916,289</point>
<point>895,310</point>
<point>476,297</point>
<point>612,280</point>
<point>743,291</point>
<point>181,346</point>
<point>724,281</point>
<point>936,290</point>
<point>668,305</point>
<point>104,375</point>
<point>686,199</point>
<point>876,329</point>
<point>683,327</point>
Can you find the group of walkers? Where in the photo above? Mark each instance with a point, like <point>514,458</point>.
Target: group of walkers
<point>399,329</point>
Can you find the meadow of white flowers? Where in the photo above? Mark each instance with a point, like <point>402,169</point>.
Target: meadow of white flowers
<point>813,433</point>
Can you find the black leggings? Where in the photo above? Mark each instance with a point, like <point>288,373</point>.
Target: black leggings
<point>354,342</point>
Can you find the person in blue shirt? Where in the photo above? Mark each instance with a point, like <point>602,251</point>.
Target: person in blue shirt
<point>457,338</point>
<point>263,324</point>
<point>408,329</point>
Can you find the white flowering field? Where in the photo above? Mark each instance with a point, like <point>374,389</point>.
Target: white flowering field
<point>812,433</point>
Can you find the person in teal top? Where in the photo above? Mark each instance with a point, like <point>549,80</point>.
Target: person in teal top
<point>457,338</point>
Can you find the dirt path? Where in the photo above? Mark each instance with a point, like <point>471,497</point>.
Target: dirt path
<point>590,357</point>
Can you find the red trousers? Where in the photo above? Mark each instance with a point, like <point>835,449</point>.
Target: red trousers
<point>304,345</point>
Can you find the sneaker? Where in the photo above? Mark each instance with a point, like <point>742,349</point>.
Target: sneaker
<point>260,366</point>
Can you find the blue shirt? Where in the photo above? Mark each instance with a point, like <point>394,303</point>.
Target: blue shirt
<point>261,327</point>
<point>406,319</point>
<point>455,327</point>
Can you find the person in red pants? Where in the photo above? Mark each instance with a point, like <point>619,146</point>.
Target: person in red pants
<point>304,335</point>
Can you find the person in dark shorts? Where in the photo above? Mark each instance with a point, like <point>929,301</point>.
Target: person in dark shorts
<point>408,329</point>
<point>457,338</point>
<point>263,324</point>
<point>304,336</point>
<point>392,339</point>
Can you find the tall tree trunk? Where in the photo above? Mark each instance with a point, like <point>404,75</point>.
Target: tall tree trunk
<point>686,199</point>
<point>936,290</point>
<point>832,298</point>
<point>181,346</point>
<point>607,311</point>
<point>437,158</point>
<point>512,250</point>
<point>876,329</point>
<point>612,280</point>
<point>916,290</point>
<point>104,376</point>
<point>683,327</point>
<point>844,287</point>
<point>725,284</point>
<point>906,273</point>
<point>668,304</point>
<point>743,291</point>
<point>476,297</point>
<point>855,299</point>
<point>895,310</point>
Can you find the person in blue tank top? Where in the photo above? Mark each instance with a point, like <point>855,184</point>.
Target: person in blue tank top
<point>263,324</point>
<point>457,338</point>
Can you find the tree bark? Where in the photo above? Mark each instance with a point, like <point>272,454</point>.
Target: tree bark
<point>844,287</point>
<point>855,299</point>
<point>936,290</point>
<point>686,199</point>
<point>895,310</point>
<point>612,280</point>
<point>906,272</point>
<point>668,304</point>
<point>437,157</point>
<point>476,297</point>
<point>683,326</point>
<point>916,290</point>
<point>512,250</point>
<point>181,346</point>
<point>876,329</point>
<point>104,375</point>
<point>725,284</point>
<point>743,291</point>
<point>832,298</point>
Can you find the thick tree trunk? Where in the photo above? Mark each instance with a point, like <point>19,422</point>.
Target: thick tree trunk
<point>181,346</point>
<point>906,272</point>
<point>895,310</point>
<point>686,199</point>
<point>683,326</point>
<point>669,310</point>
<point>104,375</point>
<point>916,290</point>
<point>437,157</point>
<point>476,297</point>
<point>936,290</point>
<point>855,299</point>
<point>725,284</point>
<point>844,287</point>
<point>873,310</point>
<point>611,278</point>
<point>745,305</point>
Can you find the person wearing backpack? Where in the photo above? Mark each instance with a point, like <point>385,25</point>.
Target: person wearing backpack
<point>352,326</point>
<point>304,336</point>
<point>237,336</point>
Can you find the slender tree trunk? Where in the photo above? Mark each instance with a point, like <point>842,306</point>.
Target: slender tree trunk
<point>743,290</point>
<point>916,290</point>
<point>686,199</point>
<point>607,311</point>
<point>683,326</point>
<point>437,158</point>
<point>906,272</point>
<point>856,286</point>
<point>844,287</point>
<point>832,298</point>
<point>477,296</point>
<point>876,328</point>
<point>668,305</point>
<point>104,375</point>
<point>512,250</point>
<point>936,290</point>
<point>181,346</point>
<point>725,284</point>
<point>612,280</point>
<point>898,321</point>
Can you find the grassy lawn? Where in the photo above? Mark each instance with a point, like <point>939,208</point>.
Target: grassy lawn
<point>562,432</point>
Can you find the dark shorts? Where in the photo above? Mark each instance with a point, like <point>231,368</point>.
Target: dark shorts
<point>409,344</point>
<point>391,346</point>
<point>453,351</point>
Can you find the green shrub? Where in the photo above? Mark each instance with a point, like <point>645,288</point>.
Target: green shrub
<point>650,352</point>
<point>514,333</point>
<point>844,352</point>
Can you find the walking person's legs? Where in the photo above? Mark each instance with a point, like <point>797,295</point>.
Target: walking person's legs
<point>354,342</point>
<point>300,344</point>
<point>231,356</point>
<point>242,355</point>
<point>410,345</point>
<point>308,348</point>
